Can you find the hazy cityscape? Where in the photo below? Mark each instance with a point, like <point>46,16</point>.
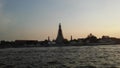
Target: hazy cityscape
<point>61,41</point>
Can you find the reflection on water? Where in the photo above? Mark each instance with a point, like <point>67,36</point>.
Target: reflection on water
<point>61,57</point>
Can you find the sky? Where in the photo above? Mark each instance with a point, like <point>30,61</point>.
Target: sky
<point>38,19</point>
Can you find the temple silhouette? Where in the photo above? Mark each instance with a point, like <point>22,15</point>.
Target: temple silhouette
<point>60,38</point>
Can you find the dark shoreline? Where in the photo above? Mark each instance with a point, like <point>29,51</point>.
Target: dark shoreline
<point>58,45</point>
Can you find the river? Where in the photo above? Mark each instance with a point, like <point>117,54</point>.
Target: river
<point>101,56</point>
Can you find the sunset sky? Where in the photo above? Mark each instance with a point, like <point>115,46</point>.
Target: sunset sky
<point>38,19</point>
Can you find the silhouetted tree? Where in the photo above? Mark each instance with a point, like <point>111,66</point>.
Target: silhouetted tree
<point>91,39</point>
<point>66,41</point>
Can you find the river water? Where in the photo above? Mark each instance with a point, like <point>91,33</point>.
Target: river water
<point>101,56</point>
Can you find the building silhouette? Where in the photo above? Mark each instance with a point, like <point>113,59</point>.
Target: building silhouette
<point>60,38</point>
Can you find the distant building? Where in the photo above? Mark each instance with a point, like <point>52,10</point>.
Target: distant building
<point>80,40</point>
<point>107,40</point>
<point>25,42</point>
<point>60,38</point>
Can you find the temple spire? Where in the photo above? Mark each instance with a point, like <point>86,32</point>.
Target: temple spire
<point>71,38</point>
<point>48,38</point>
<point>59,38</point>
<point>59,25</point>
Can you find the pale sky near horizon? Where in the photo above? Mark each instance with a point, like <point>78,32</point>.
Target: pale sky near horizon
<point>38,19</point>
